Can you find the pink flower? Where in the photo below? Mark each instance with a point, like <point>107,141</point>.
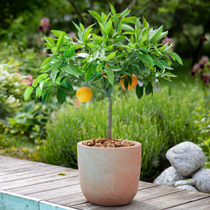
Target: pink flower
<point>196,67</point>
<point>30,80</point>
<point>45,22</point>
<point>204,60</point>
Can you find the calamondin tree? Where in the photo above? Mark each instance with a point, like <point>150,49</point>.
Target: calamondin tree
<point>127,51</point>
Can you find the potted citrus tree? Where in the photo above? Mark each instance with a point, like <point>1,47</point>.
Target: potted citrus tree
<point>126,51</point>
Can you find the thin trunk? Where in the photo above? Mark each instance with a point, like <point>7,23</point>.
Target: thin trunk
<point>109,129</point>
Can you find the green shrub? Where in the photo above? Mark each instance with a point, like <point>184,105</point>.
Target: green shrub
<point>158,122</point>
<point>11,88</point>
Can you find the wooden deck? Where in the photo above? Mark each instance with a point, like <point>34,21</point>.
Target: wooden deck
<point>38,186</point>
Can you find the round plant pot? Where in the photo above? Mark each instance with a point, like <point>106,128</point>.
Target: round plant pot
<point>109,176</point>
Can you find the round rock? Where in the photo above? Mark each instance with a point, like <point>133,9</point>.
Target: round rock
<point>187,187</point>
<point>168,177</point>
<point>202,180</point>
<point>186,157</point>
<point>184,182</point>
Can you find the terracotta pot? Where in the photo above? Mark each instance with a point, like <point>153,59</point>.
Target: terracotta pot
<point>109,176</point>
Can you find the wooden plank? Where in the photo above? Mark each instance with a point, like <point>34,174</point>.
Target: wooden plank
<point>46,186</point>
<point>37,179</point>
<point>144,185</point>
<point>203,204</point>
<point>70,200</point>
<point>47,195</point>
<point>26,174</point>
<point>144,194</point>
<point>166,201</point>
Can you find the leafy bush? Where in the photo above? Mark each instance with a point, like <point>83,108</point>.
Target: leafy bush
<point>29,60</point>
<point>11,88</point>
<point>158,122</point>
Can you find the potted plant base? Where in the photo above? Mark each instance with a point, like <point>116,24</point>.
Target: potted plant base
<point>109,176</point>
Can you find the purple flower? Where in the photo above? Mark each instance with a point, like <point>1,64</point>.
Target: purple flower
<point>192,73</point>
<point>201,75</point>
<point>204,60</point>
<point>196,67</point>
<point>40,28</point>
<point>202,66</point>
<point>45,22</point>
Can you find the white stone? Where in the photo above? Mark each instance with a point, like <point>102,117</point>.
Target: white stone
<point>168,177</point>
<point>202,180</point>
<point>184,182</point>
<point>186,157</point>
<point>187,187</point>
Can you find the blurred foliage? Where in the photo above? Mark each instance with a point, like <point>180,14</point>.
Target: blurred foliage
<point>12,85</point>
<point>28,59</point>
<point>158,122</point>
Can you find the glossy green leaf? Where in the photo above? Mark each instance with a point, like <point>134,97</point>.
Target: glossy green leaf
<point>39,78</point>
<point>156,34</point>
<point>87,75</point>
<point>139,91</point>
<point>49,41</point>
<point>61,96</point>
<point>175,57</point>
<point>54,70</point>
<point>110,75</point>
<point>95,15</point>
<point>72,69</point>
<point>149,89</point>
<point>28,92</point>
<point>60,41</point>
<point>110,56</point>
<point>71,51</point>
<point>46,61</point>
<point>38,92</point>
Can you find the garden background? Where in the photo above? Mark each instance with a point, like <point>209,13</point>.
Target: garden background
<point>178,110</point>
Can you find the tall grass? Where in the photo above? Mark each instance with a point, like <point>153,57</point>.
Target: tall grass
<point>158,122</point>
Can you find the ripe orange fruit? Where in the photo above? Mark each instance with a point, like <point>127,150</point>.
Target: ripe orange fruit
<point>133,84</point>
<point>84,94</point>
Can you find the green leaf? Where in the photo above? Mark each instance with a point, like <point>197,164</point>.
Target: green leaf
<point>66,87</point>
<point>39,78</point>
<point>46,61</point>
<point>169,74</point>
<point>88,74</point>
<point>91,45</point>
<point>110,75</point>
<point>146,59</point>
<point>61,96</point>
<point>156,34</point>
<point>57,32</point>
<point>164,34</point>
<point>38,92</point>
<point>28,92</point>
<point>125,13</point>
<point>126,83</point>
<point>72,69</point>
<point>175,57</point>
<point>54,70</point>
<point>126,27</point>
<point>71,51</point>
<point>149,89</point>
<point>110,56</point>
<point>46,68</point>
<point>60,41</point>
<point>139,91</point>
<point>95,15</point>
<point>145,23</point>
<point>116,21</point>
<point>49,41</point>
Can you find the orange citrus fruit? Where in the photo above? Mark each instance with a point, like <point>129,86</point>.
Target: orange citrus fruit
<point>84,94</point>
<point>133,84</point>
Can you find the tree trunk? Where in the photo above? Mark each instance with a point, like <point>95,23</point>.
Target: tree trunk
<point>109,129</point>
